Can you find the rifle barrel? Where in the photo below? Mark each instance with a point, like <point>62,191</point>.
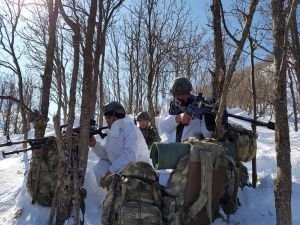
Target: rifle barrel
<point>4,154</point>
<point>12,143</point>
<point>269,124</point>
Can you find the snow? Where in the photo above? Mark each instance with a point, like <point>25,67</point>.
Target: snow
<point>257,205</point>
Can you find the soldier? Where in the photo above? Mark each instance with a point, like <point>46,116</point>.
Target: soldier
<point>150,133</point>
<point>175,128</point>
<point>124,144</point>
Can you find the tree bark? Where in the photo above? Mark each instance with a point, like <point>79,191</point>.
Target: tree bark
<point>253,125</point>
<point>295,49</point>
<point>218,76</point>
<point>295,112</point>
<point>283,184</point>
<point>232,66</point>
<point>48,70</point>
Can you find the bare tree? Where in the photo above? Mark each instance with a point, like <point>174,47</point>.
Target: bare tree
<point>48,69</point>
<point>295,44</point>
<point>295,111</point>
<point>106,10</point>
<point>232,67</point>
<point>283,185</point>
<point>220,69</point>
<point>63,196</point>
<point>8,35</point>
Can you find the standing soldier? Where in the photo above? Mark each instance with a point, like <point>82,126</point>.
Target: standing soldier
<point>176,128</point>
<point>150,133</point>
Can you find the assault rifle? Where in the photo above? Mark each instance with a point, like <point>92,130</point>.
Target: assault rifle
<point>199,107</point>
<point>46,141</point>
<point>34,144</point>
<point>93,129</point>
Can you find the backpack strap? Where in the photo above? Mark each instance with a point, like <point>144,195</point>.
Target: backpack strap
<point>205,195</point>
<point>210,161</point>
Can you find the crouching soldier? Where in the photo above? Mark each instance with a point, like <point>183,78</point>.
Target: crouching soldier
<point>124,144</point>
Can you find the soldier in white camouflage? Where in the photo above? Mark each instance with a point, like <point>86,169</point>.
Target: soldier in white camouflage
<point>123,144</point>
<point>150,133</point>
<point>176,128</point>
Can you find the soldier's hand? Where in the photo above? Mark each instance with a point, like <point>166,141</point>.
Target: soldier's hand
<point>183,118</point>
<point>92,142</point>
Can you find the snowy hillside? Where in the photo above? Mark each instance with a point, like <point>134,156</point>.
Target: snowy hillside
<point>257,205</point>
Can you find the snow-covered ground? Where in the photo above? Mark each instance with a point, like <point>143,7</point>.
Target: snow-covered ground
<point>257,205</point>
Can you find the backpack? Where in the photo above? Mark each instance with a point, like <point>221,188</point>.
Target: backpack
<point>134,197</point>
<point>42,176</point>
<point>196,184</point>
<point>239,143</point>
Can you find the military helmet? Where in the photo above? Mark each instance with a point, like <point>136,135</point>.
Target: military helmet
<point>180,85</point>
<point>143,116</point>
<point>114,108</point>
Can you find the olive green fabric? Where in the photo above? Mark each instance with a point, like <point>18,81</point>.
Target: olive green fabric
<point>211,155</point>
<point>42,176</point>
<point>166,155</point>
<point>240,143</point>
<point>150,135</point>
<point>134,197</point>
<point>229,200</point>
<point>173,201</point>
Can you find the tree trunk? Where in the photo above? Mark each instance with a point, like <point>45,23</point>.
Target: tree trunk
<point>67,170</point>
<point>48,70</point>
<point>232,66</point>
<point>295,49</point>
<point>283,183</point>
<point>220,68</point>
<point>253,125</point>
<point>40,119</point>
<point>295,112</point>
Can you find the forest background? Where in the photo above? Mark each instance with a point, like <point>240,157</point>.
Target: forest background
<point>78,55</point>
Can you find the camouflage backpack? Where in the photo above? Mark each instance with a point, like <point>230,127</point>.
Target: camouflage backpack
<point>134,197</point>
<point>196,185</point>
<point>42,176</point>
<point>239,143</point>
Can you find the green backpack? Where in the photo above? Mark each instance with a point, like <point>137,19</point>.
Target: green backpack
<point>196,185</point>
<point>42,176</point>
<point>134,197</point>
<point>239,143</point>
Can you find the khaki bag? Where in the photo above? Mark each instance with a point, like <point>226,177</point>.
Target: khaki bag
<point>240,143</point>
<point>134,197</point>
<point>42,176</point>
<point>196,185</point>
